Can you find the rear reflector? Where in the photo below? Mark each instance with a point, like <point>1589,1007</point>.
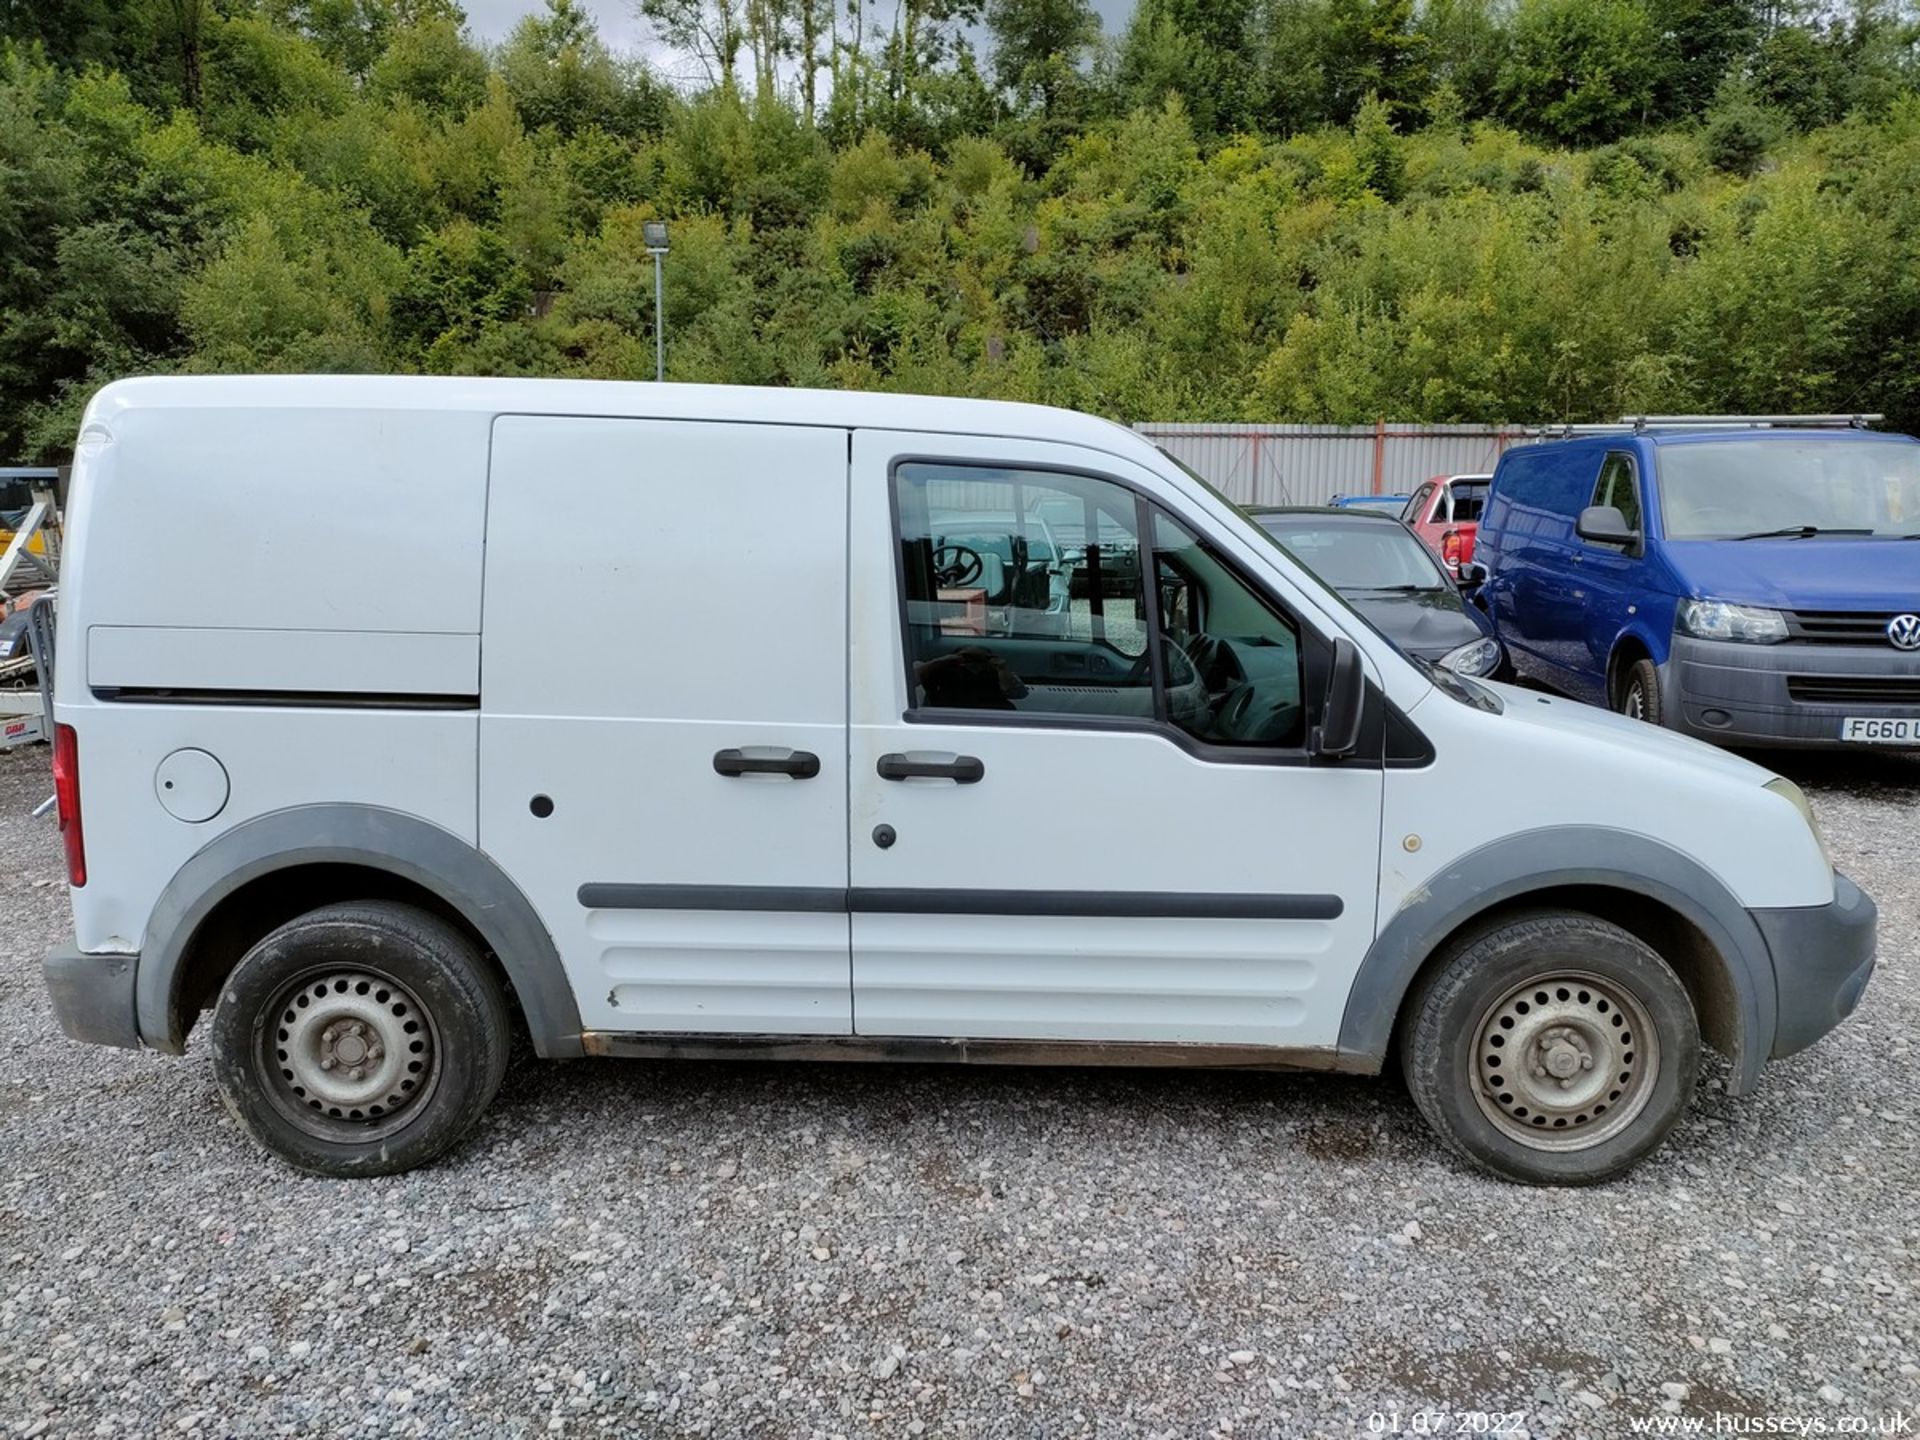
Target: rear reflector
<point>66,792</point>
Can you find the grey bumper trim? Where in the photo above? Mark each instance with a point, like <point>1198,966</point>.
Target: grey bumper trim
<point>1822,960</point>
<point>1748,686</point>
<point>93,996</point>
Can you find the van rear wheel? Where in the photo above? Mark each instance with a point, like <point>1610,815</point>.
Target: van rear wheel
<point>360,1039</point>
<point>1552,1049</point>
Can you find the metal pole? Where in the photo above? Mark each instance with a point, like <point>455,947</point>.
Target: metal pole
<point>659,323</point>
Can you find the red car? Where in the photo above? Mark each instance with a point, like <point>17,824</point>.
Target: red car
<point>1445,512</point>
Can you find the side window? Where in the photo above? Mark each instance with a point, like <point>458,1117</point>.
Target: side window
<point>1232,662</point>
<point>1468,501</point>
<point>1615,487</point>
<point>1022,592</point>
<point>1417,507</point>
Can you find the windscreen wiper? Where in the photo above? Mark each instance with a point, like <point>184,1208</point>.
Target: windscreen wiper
<point>1799,532</point>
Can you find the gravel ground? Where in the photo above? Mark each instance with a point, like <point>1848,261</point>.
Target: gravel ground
<point>749,1250</point>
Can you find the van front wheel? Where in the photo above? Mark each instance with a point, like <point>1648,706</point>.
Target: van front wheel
<point>360,1039</point>
<point>1640,692</point>
<point>1552,1049</point>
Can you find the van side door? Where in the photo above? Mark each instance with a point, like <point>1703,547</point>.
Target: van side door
<point>1062,829</point>
<point>1614,575</point>
<point>663,715</point>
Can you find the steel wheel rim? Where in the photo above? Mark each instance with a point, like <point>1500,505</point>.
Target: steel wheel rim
<point>348,1054</point>
<point>1564,1061</point>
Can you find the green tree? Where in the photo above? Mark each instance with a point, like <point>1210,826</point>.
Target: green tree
<point>1576,70</point>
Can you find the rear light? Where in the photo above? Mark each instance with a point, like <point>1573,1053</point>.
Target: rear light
<point>1450,548</point>
<point>66,793</point>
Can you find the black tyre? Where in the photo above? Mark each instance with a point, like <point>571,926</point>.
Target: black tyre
<point>1640,692</point>
<point>1552,1048</point>
<point>360,1039</point>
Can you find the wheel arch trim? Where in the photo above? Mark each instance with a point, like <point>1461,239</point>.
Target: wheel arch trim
<point>402,845</point>
<point>1554,858</point>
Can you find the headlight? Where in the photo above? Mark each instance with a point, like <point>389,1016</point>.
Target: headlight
<point>1717,620</point>
<point>1481,657</point>
<point>1797,798</point>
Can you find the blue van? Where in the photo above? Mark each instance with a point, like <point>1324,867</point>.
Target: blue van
<point>1751,582</point>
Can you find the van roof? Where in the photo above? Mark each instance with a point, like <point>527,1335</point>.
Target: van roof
<point>625,399</point>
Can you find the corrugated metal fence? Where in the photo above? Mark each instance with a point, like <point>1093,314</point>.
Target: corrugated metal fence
<point>1310,464</point>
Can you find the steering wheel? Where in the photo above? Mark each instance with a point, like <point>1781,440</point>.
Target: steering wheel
<point>956,565</point>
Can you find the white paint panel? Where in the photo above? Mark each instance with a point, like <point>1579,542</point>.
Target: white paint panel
<point>778,974</point>
<point>285,517</point>
<point>418,762</point>
<point>1248,982</point>
<point>371,662</point>
<point>698,604</point>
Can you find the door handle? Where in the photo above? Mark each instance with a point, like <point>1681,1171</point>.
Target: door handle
<point>962,769</point>
<point>800,764</point>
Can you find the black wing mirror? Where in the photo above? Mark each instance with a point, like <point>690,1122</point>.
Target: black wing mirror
<point>1605,525</point>
<point>1472,573</point>
<point>1338,734</point>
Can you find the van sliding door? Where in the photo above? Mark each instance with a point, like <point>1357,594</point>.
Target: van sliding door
<point>663,715</point>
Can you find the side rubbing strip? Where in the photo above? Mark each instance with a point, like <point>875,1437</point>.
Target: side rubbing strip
<point>809,898</point>
<point>1130,904</point>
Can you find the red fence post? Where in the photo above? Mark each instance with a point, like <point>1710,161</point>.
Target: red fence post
<point>1379,456</point>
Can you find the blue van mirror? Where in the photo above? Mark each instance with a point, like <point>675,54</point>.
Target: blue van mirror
<point>1605,525</point>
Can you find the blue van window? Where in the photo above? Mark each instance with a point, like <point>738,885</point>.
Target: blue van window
<point>1722,489</point>
<point>1615,487</point>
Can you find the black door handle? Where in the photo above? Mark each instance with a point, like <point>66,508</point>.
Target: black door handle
<point>962,768</point>
<point>800,764</point>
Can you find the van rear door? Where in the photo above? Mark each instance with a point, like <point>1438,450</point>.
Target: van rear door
<point>663,715</point>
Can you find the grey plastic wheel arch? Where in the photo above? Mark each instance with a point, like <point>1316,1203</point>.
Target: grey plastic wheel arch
<point>399,844</point>
<point>1517,865</point>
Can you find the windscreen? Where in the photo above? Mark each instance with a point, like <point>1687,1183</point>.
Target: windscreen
<point>1364,556</point>
<point>1724,489</point>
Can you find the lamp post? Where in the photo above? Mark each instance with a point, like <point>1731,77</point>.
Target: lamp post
<point>655,234</point>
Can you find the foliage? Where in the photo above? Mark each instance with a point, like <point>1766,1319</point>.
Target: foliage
<point>1328,210</point>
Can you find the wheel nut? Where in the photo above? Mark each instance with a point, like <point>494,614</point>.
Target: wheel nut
<point>378,1051</point>
<point>326,1062</point>
<point>356,1073</point>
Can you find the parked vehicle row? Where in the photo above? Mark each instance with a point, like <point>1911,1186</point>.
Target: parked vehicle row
<point>850,726</point>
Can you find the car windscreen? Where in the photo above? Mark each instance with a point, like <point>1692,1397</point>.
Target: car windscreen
<point>1357,555</point>
<point>1725,489</point>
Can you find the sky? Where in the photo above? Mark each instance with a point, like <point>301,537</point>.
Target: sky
<point>624,31</point>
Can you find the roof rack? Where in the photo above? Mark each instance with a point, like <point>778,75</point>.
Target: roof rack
<point>1636,424</point>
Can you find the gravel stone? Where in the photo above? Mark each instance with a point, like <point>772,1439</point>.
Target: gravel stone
<point>629,1248</point>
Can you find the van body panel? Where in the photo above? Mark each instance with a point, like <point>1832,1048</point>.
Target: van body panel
<point>696,605</point>
<point>1087,811</point>
<point>274,758</point>
<point>315,522</point>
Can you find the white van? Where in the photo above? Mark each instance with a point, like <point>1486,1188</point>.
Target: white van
<point>675,721</point>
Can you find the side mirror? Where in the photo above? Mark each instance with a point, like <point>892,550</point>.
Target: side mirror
<point>1338,734</point>
<point>1472,573</point>
<point>1605,525</point>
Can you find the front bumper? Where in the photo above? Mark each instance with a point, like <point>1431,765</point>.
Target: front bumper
<point>1822,960</point>
<point>1738,694</point>
<point>93,996</point>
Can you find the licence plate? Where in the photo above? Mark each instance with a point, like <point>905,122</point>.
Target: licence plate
<point>1880,732</point>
